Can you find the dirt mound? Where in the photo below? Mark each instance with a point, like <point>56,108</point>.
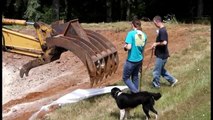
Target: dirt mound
<point>24,96</point>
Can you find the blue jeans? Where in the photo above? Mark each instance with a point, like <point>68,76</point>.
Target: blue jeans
<point>131,69</point>
<point>159,71</point>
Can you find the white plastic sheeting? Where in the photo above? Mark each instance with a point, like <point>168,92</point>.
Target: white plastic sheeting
<point>81,94</point>
<point>77,95</point>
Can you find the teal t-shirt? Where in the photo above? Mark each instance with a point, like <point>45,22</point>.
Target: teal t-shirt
<point>137,39</point>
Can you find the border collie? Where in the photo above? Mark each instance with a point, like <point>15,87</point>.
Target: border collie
<point>126,101</point>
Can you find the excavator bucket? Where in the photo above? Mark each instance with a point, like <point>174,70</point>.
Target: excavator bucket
<point>97,53</point>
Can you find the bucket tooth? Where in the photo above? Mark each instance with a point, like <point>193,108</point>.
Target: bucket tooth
<point>116,61</point>
<point>101,70</point>
<point>49,56</point>
<point>112,56</point>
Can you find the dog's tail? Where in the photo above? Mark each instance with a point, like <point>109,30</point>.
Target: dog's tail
<point>156,96</point>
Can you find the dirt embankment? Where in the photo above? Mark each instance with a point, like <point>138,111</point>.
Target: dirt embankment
<point>24,96</point>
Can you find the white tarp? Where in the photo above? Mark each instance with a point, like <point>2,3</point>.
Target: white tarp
<point>81,94</point>
<point>77,95</point>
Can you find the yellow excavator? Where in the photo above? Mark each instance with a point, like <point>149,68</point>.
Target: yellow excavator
<point>97,53</point>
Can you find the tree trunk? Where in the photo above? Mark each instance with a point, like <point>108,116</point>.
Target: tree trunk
<point>200,8</point>
<point>109,10</point>
<point>56,6</point>
<point>66,9</point>
<point>122,10</point>
<point>128,12</point>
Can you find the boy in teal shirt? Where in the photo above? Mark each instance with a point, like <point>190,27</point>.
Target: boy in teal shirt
<point>135,43</point>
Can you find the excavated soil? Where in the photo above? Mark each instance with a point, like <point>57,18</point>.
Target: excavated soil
<point>22,97</point>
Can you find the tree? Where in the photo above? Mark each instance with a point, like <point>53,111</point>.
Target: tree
<point>128,12</point>
<point>16,7</point>
<point>109,10</point>
<point>104,10</point>
<point>32,12</point>
<point>56,6</point>
<point>122,10</point>
<point>200,8</point>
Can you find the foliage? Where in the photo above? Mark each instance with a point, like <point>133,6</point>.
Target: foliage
<point>170,18</point>
<point>139,8</point>
<point>47,16</point>
<point>37,12</point>
<point>203,20</point>
<point>32,12</point>
<point>112,10</point>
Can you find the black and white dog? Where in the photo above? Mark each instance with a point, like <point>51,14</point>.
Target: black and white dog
<point>126,101</point>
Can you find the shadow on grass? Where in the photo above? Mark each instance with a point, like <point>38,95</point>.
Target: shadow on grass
<point>115,115</point>
<point>138,116</point>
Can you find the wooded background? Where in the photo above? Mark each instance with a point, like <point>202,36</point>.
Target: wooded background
<point>104,10</point>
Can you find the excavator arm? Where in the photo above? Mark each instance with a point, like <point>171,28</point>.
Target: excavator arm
<point>97,53</point>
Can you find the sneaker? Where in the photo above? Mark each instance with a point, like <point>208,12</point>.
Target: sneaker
<point>155,85</point>
<point>172,85</point>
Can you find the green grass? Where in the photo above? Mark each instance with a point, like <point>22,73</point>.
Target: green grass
<point>188,100</point>
<point>18,27</point>
<point>119,26</point>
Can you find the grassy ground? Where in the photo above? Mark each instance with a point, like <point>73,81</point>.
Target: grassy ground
<point>188,100</point>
